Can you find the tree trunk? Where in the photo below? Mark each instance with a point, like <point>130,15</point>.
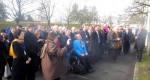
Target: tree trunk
<point>68,23</point>
<point>17,21</point>
<point>49,24</point>
<point>148,47</point>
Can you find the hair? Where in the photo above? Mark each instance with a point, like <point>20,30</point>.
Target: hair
<point>2,31</point>
<point>5,37</point>
<point>17,33</point>
<point>37,32</point>
<point>76,36</point>
<point>51,35</point>
<point>1,38</point>
<point>20,26</point>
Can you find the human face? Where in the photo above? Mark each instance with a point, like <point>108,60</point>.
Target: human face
<point>68,32</point>
<point>21,37</point>
<point>56,39</point>
<point>79,37</point>
<point>97,28</point>
<point>30,29</point>
<point>73,29</point>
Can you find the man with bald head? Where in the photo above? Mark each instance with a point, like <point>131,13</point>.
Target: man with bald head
<point>81,51</point>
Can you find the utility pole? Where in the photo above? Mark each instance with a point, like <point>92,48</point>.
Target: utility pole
<point>148,29</point>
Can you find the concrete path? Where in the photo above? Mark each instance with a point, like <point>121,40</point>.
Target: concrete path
<point>123,69</point>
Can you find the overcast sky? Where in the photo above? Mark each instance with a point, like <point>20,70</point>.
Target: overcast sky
<point>104,7</point>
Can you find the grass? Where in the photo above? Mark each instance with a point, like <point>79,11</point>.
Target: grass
<point>144,68</point>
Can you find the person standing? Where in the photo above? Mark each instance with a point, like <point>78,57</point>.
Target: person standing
<point>140,42</point>
<point>32,49</point>
<point>54,58</point>
<point>91,46</point>
<point>20,58</point>
<point>98,41</point>
<point>115,43</point>
<point>127,40</point>
<point>3,54</point>
<point>85,35</point>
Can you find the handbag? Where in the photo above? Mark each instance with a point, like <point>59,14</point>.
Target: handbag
<point>7,72</point>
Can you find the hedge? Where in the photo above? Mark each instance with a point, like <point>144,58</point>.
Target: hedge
<point>5,24</point>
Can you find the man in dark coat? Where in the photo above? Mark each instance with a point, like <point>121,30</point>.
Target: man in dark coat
<point>3,51</point>
<point>98,41</point>
<point>91,47</point>
<point>66,37</point>
<point>127,40</point>
<point>73,33</point>
<point>85,35</point>
<point>140,42</point>
<point>32,49</point>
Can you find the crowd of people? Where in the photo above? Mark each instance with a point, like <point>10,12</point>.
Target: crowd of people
<point>29,49</point>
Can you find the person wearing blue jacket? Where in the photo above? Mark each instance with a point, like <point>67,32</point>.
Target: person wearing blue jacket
<point>81,51</point>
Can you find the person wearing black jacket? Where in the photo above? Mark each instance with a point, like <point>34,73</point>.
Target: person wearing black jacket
<point>3,53</point>
<point>20,58</point>
<point>67,37</point>
<point>98,41</point>
<point>85,35</point>
<point>32,49</point>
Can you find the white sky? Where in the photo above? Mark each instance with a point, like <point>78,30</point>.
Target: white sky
<point>104,7</point>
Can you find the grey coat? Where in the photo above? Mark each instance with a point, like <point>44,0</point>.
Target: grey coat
<point>140,41</point>
<point>112,40</point>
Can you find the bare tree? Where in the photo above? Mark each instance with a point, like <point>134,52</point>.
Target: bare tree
<point>138,11</point>
<point>17,9</point>
<point>3,13</point>
<point>67,13</point>
<point>47,9</point>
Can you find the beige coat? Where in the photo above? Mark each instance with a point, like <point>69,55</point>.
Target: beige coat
<point>54,64</point>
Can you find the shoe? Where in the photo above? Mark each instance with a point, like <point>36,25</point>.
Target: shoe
<point>113,61</point>
<point>138,60</point>
<point>90,70</point>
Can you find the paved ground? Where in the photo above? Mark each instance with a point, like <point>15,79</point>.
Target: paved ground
<point>123,69</point>
<point>106,70</point>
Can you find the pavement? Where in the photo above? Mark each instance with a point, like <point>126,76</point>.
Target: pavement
<point>123,69</point>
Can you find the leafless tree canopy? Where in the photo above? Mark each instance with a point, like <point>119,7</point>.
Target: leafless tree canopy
<point>47,9</point>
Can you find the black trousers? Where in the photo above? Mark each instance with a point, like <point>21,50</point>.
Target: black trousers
<point>126,48</point>
<point>32,68</point>
<point>85,61</point>
<point>139,55</point>
<point>57,79</point>
<point>18,77</point>
<point>114,54</point>
<point>2,68</point>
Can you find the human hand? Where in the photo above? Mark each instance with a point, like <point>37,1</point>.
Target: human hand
<point>118,39</point>
<point>40,40</point>
<point>28,61</point>
<point>68,41</point>
<point>86,54</point>
<point>87,42</point>
<point>82,54</point>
